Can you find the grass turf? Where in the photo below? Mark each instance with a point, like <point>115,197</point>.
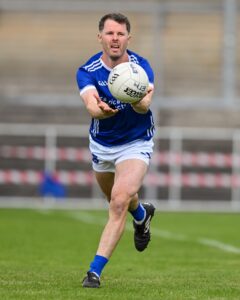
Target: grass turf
<point>45,255</point>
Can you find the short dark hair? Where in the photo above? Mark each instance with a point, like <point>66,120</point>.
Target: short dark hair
<point>117,17</point>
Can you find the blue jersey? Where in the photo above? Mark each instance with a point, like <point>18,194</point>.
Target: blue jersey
<point>127,125</point>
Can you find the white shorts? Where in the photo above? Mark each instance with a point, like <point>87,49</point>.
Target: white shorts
<point>105,158</point>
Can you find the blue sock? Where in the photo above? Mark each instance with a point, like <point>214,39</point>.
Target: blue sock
<point>139,213</point>
<point>98,264</point>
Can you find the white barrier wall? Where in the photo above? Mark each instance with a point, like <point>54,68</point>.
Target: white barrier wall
<point>170,170</point>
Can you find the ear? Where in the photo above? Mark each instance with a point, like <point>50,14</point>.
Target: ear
<point>129,38</point>
<point>99,37</point>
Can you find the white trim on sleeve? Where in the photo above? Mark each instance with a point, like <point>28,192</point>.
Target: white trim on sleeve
<point>86,88</point>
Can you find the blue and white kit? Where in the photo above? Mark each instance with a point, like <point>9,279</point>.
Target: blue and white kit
<point>127,125</point>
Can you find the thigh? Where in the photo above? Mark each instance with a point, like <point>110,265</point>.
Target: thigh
<point>129,176</point>
<point>105,181</point>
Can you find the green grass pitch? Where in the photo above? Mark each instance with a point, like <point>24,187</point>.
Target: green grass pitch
<point>44,254</point>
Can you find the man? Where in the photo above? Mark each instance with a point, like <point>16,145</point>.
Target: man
<point>120,141</point>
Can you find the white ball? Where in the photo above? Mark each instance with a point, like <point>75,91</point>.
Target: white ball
<point>128,82</point>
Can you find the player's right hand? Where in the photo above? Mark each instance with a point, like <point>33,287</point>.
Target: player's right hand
<point>97,108</point>
<point>105,108</point>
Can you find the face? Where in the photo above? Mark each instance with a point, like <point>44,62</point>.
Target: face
<point>114,39</point>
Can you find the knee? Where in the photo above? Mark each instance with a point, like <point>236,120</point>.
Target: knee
<point>119,203</point>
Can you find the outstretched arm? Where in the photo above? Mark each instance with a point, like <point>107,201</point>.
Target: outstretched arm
<point>97,108</point>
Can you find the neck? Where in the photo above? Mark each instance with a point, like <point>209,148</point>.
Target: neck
<point>111,63</point>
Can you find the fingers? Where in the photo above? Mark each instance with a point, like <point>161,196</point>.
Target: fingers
<point>150,90</point>
<point>98,99</point>
<point>106,108</point>
<point>110,110</point>
<point>103,106</point>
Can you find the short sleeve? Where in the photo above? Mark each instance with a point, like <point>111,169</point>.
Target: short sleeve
<point>84,80</point>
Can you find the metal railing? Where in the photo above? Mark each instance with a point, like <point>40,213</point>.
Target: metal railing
<point>174,179</point>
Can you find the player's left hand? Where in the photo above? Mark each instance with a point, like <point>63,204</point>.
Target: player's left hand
<point>143,105</point>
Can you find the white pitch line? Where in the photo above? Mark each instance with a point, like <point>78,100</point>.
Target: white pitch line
<point>219,245</point>
<point>87,218</point>
<point>90,219</point>
<point>168,235</point>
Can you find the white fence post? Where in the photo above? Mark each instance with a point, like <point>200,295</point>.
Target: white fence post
<point>235,202</point>
<point>50,147</point>
<point>175,140</point>
<point>229,52</point>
